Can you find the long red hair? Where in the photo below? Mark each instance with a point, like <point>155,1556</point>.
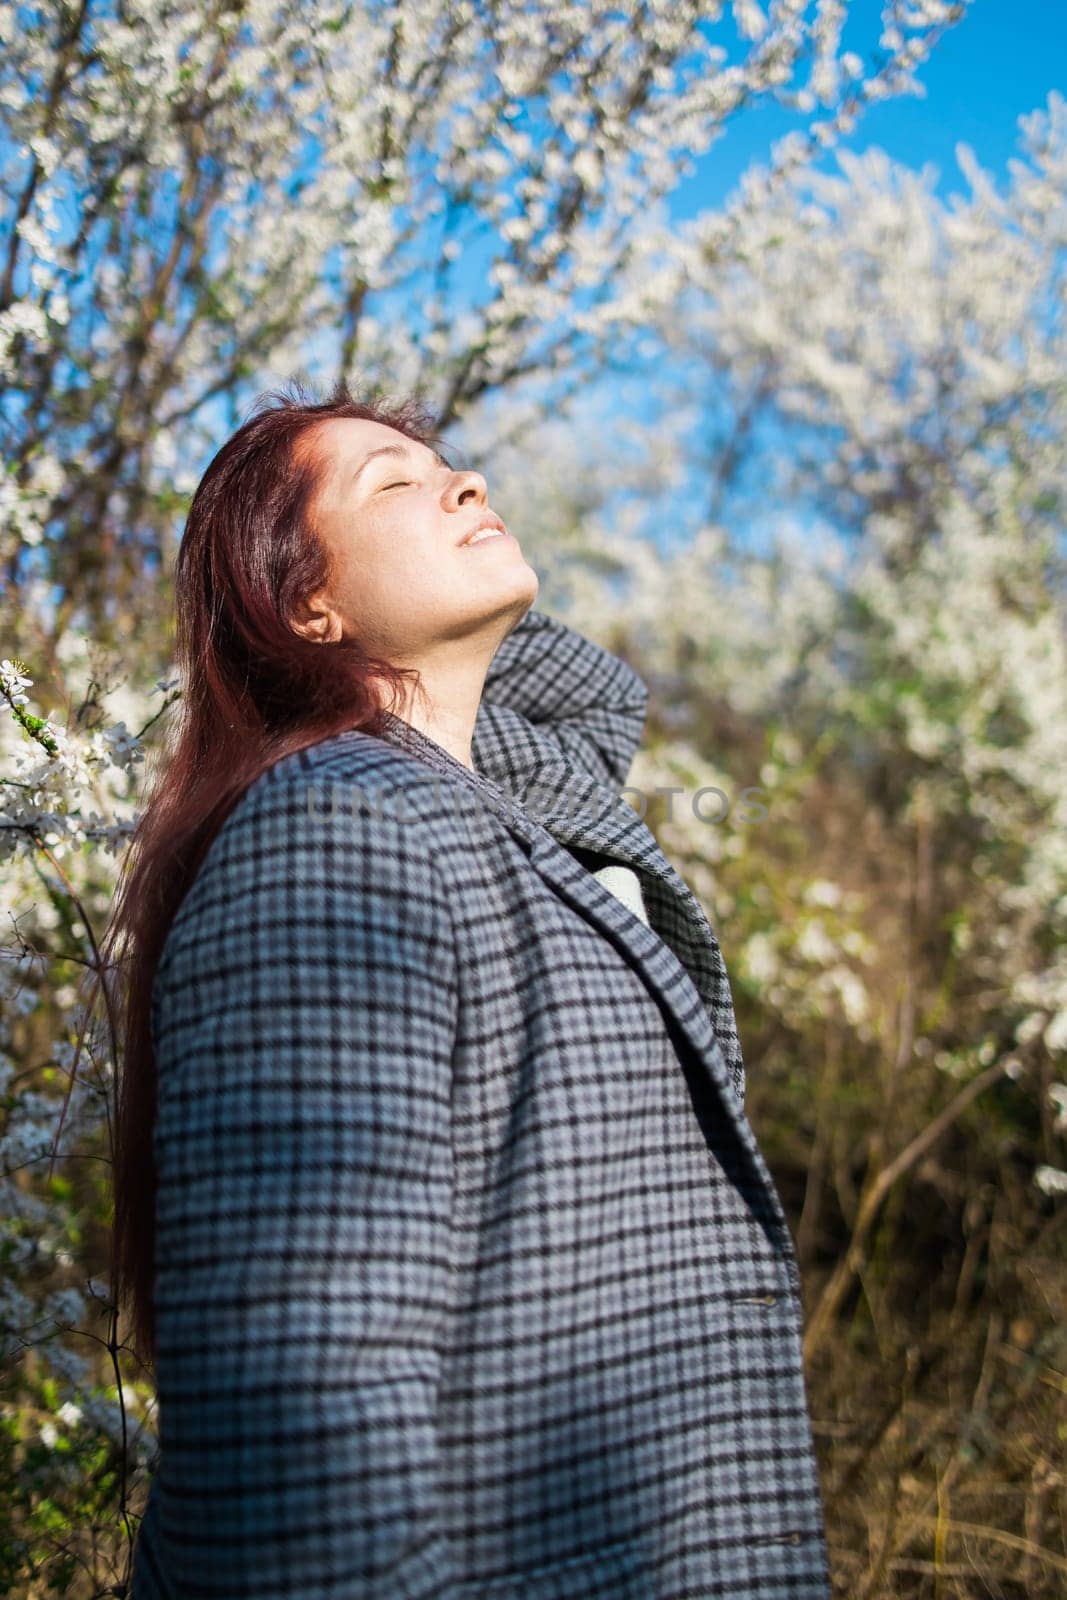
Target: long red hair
<point>253,691</point>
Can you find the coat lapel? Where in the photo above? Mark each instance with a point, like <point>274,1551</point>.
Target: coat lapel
<point>578,811</point>
<point>552,806</point>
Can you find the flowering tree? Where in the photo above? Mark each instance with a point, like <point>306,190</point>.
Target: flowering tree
<point>452,198</point>
<point>913,354</point>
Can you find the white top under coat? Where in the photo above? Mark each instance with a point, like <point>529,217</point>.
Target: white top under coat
<point>625,885</point>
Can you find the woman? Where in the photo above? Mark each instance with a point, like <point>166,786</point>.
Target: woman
<point>437,1210</point>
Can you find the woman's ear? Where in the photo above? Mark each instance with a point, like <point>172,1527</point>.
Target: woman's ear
<point>317,620</point>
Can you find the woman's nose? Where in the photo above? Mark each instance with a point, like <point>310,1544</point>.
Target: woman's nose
<point>470,484</point>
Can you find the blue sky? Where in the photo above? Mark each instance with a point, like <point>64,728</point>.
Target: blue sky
<point>997,64</point>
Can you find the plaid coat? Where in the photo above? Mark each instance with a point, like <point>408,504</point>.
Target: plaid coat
<point>471,1278</point>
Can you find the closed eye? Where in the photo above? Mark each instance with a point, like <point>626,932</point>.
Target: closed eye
<point>402,485</point>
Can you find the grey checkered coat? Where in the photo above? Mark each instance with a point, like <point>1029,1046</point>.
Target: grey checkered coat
<point>472,1281</point>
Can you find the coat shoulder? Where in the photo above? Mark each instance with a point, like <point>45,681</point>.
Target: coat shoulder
<point>351,796</point>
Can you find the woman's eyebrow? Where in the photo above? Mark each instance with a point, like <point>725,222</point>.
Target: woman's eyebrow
<point>396,450</point>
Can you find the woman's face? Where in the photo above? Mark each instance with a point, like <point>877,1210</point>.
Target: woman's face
<point>402,581</point>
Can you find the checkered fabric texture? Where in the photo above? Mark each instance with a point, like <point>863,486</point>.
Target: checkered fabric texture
<point>471,1278</point>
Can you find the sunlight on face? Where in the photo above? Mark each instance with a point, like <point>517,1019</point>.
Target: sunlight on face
<point>393,523</point>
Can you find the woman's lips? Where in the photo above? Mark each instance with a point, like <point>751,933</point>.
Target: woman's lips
<point>487,536</point>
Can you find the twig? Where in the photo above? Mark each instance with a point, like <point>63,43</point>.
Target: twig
<point>842,1277</point>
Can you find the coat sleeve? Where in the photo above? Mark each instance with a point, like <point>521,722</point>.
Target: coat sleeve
<point>306,1014</point>
<point>550,690</point>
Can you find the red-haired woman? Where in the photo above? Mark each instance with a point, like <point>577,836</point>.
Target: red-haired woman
<point>437,1213</point>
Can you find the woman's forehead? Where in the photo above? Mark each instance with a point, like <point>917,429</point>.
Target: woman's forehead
<point>351,441</point>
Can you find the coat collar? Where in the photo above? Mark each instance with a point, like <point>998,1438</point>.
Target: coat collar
<point>553,806</point>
